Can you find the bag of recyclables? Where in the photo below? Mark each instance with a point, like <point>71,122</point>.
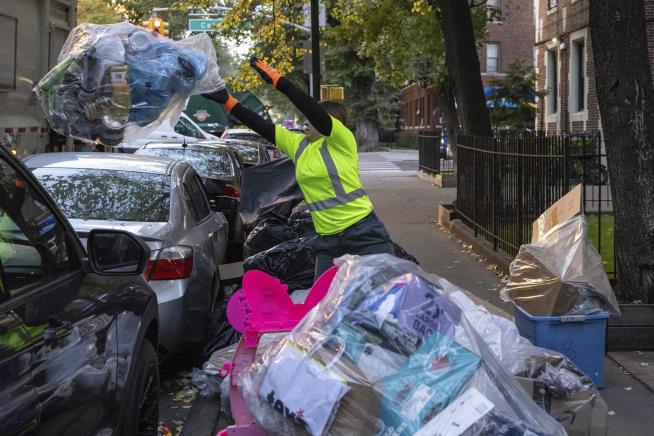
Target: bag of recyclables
<point>561,274</point>
<point>115,83</point>
<point>388,352</point>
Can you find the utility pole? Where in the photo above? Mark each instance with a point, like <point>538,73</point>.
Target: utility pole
<point>315,49</point>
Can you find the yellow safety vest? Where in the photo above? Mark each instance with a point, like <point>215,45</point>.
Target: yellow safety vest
<point>327,171</point>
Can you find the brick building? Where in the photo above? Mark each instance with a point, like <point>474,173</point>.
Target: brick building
<point>564,62</point>
<point>509,38</point>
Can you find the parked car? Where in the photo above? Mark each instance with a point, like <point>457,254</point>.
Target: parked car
<point>163,202</point>
<point>78,331</point>
<point>251,135</point>
<point>251,152</point>
<point>221,171</point>
<point>184,131</point>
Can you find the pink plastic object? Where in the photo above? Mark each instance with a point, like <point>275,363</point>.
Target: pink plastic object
<point>262,306</point>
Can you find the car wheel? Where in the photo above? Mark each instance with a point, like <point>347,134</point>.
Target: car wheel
<point>143,401</point>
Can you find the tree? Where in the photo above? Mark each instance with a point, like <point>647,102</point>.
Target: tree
<point>626,102</point>
<point>512,98</point>
<point>97,12</point>
<point>462,64</point>
<point>372,104</point>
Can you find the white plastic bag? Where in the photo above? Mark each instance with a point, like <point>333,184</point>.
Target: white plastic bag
<point>300,389</point>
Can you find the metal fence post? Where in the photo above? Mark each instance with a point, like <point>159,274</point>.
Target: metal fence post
<point>474,183</point>
<point>566,164</point>
<point>494,186</point>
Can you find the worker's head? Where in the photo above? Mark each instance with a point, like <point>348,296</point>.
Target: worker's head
<point>333,108</point>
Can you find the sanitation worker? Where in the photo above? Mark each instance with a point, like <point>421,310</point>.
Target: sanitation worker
<point>326,169</point>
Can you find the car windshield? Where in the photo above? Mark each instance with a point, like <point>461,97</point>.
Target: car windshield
<point>248,153</point>
<point>108,194</point>
<point>213,164</point>
<point>247,137</point>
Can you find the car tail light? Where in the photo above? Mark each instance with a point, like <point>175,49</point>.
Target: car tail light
<point>231,191</point>
<point>171,264</point>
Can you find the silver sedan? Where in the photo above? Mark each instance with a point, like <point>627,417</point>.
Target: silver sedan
<point>162,201</point>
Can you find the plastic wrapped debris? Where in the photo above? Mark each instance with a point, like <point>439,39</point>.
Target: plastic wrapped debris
<point>117,82</point>
<point>561,274</point>
<point>267,233</point>
<point>379,355</point>
<point>269,190</point>
<point>554,382</point>
<point>206,380</point>
<point>292,262</point>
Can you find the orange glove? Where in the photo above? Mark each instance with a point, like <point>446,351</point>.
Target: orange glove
<point>266,72</point>
<point>223,97</point>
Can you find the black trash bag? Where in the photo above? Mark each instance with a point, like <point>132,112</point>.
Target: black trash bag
<point>300,211</point>
<point>403,254</point>
<point>292,262</point>
<point>221,335</point>
<point>279,211</point>
<point>302,224</point>
<point>268,233</point>
<point>269,189</point>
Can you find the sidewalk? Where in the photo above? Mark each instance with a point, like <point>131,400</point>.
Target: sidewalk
<point>407,205</point>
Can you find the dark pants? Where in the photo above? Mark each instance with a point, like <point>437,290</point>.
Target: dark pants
<point>368,236</point>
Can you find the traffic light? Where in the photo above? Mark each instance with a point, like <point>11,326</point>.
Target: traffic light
<point>157,25</point>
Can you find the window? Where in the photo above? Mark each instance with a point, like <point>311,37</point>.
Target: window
<point>578,76</point>
<point>8,36</point>
<point>34,248</point>
<point>108,194</point>
<point>552,3</point>
<point>552,82</point>
<point>183,127</point>
<point>494,11</point>
<point>210,163</point>
<point>199,202</point>
<point>492,57</point>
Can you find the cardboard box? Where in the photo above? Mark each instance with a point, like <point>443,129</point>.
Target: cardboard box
<point>584,414</point>
<point>565,208</point>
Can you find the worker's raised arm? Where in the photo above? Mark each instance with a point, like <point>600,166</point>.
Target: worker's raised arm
<point>246,116</point>
<point>316,115</point>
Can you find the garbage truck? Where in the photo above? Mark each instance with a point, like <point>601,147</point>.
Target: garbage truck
<point>32,34</point>
<point>212,118</point>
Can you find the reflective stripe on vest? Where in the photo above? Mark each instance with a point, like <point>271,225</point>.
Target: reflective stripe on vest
<point>341,197</point>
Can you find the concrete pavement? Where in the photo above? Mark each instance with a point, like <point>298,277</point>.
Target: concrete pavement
<point>407,205</point>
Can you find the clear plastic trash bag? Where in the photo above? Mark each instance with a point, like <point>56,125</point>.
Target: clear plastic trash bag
<point>383,354</point>
<point>118,82</point>
<point>561,274</point>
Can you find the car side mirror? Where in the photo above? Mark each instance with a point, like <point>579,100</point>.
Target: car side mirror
<point>117,253</point>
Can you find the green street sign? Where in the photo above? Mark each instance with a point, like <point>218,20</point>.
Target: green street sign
<point>200,25</point>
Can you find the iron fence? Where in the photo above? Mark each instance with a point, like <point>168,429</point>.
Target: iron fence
<point>504,183</point>
<point>433,157</point>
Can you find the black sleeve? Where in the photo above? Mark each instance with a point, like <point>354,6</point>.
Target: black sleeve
<point>317,116</point>
<point>254,122</point>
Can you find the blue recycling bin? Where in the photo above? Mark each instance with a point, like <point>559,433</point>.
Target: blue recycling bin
<point>581,338</point>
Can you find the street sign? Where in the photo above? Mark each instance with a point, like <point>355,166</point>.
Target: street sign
<point>203,25</point>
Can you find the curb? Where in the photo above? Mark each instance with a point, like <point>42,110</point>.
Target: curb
<point>480,245</point>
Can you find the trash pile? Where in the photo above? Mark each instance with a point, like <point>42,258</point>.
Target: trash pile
<point>283,248</point>
<point>116,83</point>
<point>393,350</point>
<point>560,273</point>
